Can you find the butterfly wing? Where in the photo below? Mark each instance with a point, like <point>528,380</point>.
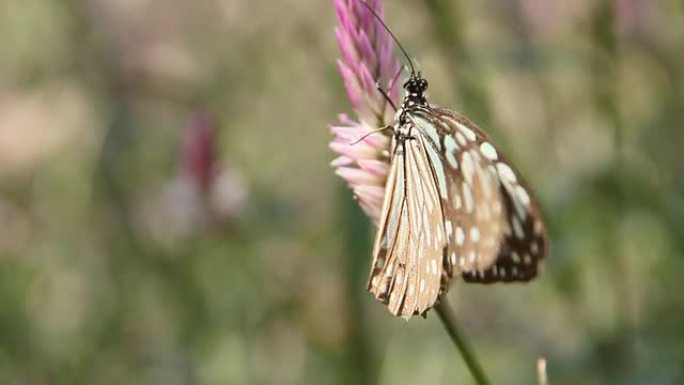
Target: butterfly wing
<point>497,231</point>
<point>471,204</point>
<point>409,248</point>
<point>453,206</point>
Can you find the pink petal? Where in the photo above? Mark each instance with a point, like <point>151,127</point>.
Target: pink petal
<point>372,194</point>
<point>355,176</point>
<point>342,11</point>
<point>357,151</point>
<point>366,78</point>
<point>367,51</point>
<point>345,119</point>
<point>347,47</point>
<point>373,211</point>
<point>376,167</point>
<point>341,161</point>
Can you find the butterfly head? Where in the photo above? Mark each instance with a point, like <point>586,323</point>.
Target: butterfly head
<point>415,87</point>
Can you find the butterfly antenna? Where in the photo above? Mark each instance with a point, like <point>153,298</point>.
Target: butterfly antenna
<point>401,47</point>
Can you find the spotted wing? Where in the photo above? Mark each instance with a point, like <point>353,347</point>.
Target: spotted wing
<point>409,247</point>
<point>494,228</point>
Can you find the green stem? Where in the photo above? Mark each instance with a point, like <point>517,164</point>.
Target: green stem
<point>446,315</point>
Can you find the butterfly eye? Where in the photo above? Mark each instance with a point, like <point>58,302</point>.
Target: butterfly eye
<point>416,85</point>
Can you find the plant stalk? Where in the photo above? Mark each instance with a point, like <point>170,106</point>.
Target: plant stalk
<point>446,315</point>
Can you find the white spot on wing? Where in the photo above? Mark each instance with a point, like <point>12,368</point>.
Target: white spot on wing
<point>474,234</point>
<point>456,202</point>
<point>430,130</point>
<point>538,227</point>
<point>534,248</point>
<point>468,197</point>
<point>450,148</point>
<point>470,134</point>
<point>506,172</point>
<point>468,169</point>
<point>439,169</point>
<point>461,139</point>
<point>488,151</point>
<point>522,194</point>
<point>460,236</point>
<point>517,228</point>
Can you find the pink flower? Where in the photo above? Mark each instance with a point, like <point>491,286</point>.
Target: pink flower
<point>206,192</point>
<point>367,61</point>
<point>198,151</point>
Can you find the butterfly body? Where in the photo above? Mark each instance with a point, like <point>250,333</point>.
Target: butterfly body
<point>453,206</point>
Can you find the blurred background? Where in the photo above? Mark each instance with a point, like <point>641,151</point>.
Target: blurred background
<point>168,214</point>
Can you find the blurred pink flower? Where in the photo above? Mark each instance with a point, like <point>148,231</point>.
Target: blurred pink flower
<point>367,59</point>
<point>632,15</point>
<point>198,151</point>
<point>206,192</point>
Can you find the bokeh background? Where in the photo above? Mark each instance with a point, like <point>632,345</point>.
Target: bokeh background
<point>168,214</point>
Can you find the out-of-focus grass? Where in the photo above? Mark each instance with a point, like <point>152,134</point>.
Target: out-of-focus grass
<point>109,276</point>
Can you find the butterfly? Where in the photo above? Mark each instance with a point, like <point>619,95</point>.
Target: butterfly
<point>453,206</point>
